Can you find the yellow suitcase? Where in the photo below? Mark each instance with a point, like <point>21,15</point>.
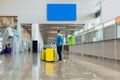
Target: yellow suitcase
<point>50,54</point>
<point>42,55</point>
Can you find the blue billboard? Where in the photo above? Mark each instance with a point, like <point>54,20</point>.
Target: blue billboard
<point>61,12</point>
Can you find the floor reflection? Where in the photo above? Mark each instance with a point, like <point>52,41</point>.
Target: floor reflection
<point>36,66</point>
<point>14,67</point>
<point>65,71</point>
<point>26,66</point>
<point>50,69</point>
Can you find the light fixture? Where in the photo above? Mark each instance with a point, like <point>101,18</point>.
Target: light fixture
<point>71,29</point>
<point>57,27</point>
<point>27,24</point>
<point>76,25</point>
<point>52,31</point>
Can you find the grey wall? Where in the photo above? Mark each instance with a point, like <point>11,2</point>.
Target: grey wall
<point>106,49</point>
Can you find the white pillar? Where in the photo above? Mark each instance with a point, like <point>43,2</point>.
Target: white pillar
<point>36,57</point>
<point>35,31</point>
<point>35,35</point>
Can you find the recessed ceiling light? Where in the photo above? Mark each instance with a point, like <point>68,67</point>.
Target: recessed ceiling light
<point>71,29</point>
<point>52,31</point>
<point>58,27</point>
<point>76,25</point>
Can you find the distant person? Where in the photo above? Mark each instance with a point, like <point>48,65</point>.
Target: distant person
<point>8,48</point>
<point>59,44</point>
<point>72,38</point>
<point>28,49</point>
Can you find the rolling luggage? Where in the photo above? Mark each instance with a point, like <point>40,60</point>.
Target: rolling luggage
<point>50,54</point>
<point>9,50</point>
<point>43,55</point>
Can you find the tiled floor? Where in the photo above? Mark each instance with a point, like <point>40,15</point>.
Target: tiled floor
<point>26,66</point>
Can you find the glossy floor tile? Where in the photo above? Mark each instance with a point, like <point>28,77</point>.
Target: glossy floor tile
<point>26,66</point>
<point>66,71</point>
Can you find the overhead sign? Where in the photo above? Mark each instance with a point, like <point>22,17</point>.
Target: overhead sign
<point>61,12</point>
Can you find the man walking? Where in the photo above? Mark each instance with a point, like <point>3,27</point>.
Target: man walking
<point>59,43</point>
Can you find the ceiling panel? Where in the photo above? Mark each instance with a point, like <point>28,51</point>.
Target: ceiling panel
<point>49,31</point>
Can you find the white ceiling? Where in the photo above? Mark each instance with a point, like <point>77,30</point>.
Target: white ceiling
<point>34,11</point>
<point>85,9</point>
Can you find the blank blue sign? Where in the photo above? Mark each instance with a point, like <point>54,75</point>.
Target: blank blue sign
<point>61,12</point>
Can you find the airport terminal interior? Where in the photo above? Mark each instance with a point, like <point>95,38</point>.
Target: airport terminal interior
<point>91,39</point>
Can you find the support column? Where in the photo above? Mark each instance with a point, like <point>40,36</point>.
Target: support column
<point>35,38</point>
<point>35,50</point>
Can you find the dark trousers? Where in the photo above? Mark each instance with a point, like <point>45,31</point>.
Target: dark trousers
<point>59,51</point>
